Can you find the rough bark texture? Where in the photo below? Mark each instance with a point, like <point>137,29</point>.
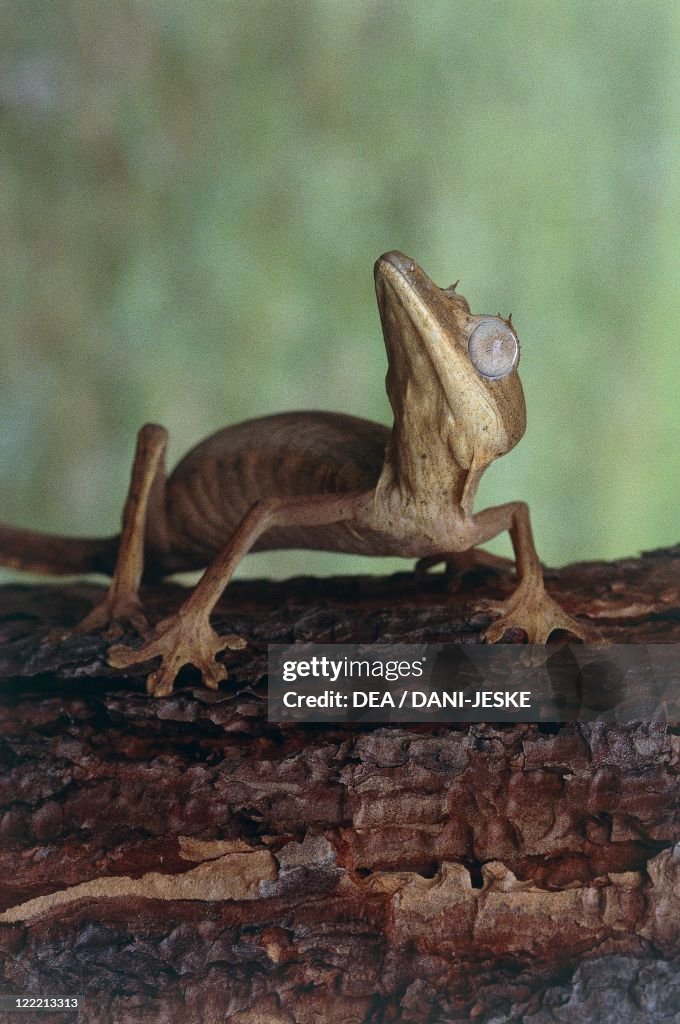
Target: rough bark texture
<point>183,860</point>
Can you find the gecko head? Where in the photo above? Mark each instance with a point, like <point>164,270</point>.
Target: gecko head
<point>449,369</point>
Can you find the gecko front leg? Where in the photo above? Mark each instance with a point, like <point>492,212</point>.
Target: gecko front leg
<point>187,638</point>
<point>530,607</point>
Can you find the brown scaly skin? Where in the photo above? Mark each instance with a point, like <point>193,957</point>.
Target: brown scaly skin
<point>324,481</point>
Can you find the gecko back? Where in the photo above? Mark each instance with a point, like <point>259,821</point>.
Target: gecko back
<point>284,455</point>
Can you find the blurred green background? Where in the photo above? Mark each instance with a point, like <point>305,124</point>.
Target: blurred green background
<point>192,196</point>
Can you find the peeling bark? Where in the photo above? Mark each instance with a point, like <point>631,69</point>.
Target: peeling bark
<point>182,859</point>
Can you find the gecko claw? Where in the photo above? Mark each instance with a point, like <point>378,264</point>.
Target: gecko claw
<point>178,641</point>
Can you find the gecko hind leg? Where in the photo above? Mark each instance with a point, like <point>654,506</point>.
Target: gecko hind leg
<point>187,637</point>
<point>121,603</point>
<point>460,563</point>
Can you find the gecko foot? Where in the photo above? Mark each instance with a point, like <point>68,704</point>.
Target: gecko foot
<point>179,640</point>
<point>534,611</point>
<point>112,615</point>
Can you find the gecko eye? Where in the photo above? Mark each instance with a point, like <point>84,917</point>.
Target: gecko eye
<point>493,348</point>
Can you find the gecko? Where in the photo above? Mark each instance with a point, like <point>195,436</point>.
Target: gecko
<point>325,481</point>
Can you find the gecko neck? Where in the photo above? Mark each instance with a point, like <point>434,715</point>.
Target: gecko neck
<point>430,458</point>
<point>419,459</point>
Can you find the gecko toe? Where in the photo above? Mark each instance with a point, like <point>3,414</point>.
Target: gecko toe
<point>161,682</point>
<point>122,656</point>
<point>495,632</point>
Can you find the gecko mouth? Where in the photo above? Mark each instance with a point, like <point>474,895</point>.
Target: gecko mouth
<point>397,261</point>
<point>406,294</point>
<point>398,270</point>
<point>400,281</point>
<point>428,305</point>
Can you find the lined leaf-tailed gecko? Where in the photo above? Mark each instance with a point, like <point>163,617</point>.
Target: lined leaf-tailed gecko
<point>326,481</point>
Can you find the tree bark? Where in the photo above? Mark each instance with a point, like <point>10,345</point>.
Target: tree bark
<point>182,859</point>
